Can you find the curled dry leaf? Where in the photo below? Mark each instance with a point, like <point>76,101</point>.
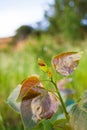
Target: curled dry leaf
<point>31,87</point>
<point>66,63</point>
<point>40,107</point>
<point>43,107</point>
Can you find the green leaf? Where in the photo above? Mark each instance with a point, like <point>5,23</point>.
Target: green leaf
<point>44,125</point>
<point>12,99</point>
<point>58,115</point>
<point>39,126</point>
<point>78,114</point>
<point>47,125</point>
<point>60,124</point>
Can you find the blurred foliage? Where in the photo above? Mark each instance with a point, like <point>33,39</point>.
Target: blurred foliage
<point>70,24</point>
<point>65,16</point>
<point>23,31</point>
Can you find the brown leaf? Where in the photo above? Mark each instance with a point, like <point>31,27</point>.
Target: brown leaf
<point>31,87</point>
<point>66,63</point>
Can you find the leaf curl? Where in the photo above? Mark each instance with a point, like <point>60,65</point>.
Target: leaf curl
<point>66,63</point>
<point>38,108</point>
<point>31,87</point>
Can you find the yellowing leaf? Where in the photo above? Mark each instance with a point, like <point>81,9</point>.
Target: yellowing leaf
<point>31,87</point>
<point>42,65</point>
<point>66,63</point>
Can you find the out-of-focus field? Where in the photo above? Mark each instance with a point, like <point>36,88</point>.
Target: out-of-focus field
<point>17,63</point>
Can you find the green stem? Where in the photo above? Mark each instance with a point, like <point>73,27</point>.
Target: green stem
<point>61,100</point>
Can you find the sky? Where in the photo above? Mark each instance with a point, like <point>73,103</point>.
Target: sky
<point>14,13</point>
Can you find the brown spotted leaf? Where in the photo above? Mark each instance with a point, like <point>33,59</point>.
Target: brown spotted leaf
<point>44,106</point>
<point>43,66</point>
<point>66,63</point>
<point>31,87</point>
<point>40,107</point>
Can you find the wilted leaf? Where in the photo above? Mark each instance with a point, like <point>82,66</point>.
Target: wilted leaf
<point>40,107</point>
<point>12,99</point>
<point>66,63</point>
<point>78,114</point>
<point>26,114</point>
<point>44,106</point>
<point>43,65</point>
<point>36,102</point>
<point>31,87</point>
